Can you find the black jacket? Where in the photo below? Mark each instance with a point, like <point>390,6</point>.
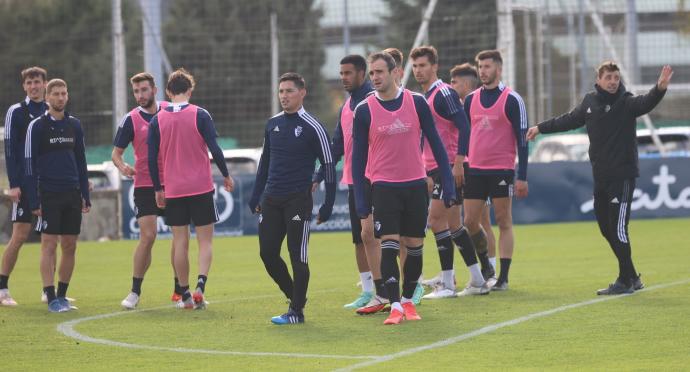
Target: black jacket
<point>611,126</point>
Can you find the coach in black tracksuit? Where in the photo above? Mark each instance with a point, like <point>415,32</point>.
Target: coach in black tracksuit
<point>610,114</point>
<point>293,141</point>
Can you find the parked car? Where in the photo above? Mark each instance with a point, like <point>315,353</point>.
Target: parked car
<point>240,161</point>
<point>676,142</point>
<point>561,147</point>
<point>104,176</point>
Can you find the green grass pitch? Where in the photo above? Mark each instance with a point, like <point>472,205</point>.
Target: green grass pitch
<point>554,265</point>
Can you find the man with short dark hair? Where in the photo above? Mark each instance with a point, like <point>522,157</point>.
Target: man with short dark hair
<point>387,129</point>
<point>58,188</point>
<point>293,140</point>
<point>182,134</point>
<point>353,74</point>
<point>498,121</point>
<point>134,128</point>
<point>453,129</point>
<point>17,121</point>
<point>610,115</point>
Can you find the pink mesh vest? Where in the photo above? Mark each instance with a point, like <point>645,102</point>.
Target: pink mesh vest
<point>446,130</point>
<point>395,153</point>
<point>184,154</point>
<point>492,141</point>
<point>141,149</point>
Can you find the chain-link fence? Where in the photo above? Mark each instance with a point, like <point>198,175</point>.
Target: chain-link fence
<point>550,47</point>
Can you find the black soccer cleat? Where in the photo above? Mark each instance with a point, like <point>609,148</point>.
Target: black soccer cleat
<point>616,288</point>
<point>637,282</point>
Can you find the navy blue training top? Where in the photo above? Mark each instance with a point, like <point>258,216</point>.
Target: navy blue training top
<point>55,157</point>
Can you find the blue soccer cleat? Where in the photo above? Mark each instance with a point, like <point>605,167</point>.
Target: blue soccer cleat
<point>56,306</point>
<point>291,317</point>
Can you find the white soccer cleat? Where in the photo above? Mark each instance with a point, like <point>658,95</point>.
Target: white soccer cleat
<point>441,292</point>
<point>6,299</point>
<point>433,282</point>
<point>131,301</point>
<point>472,290</point>
<point>491,282</point>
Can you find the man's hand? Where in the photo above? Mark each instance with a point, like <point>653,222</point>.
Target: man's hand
<point>521,189</point>
<point>429,185</point>
<point>664,77</point>
<point>85,208</point>
<point>127,170</point>
<point>36,212</point>
<point>160,199</point>
<point>458,174</point>
<point>532,133</point>
<point>228,184</point>
<point>15,194</point>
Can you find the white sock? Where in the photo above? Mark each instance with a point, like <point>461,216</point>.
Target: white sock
<point>448,278</point>
<point>493,262</point>
<point>396,306</point>
<point>476,275</point>
<point>405,299</point>
<point>367,281</point>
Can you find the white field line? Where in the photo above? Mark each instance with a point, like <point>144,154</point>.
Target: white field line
<point>494,327</point>
<point>67,328</point>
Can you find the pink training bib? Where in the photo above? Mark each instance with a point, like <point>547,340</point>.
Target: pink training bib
<point>184,154</point>
<point>395,153</point>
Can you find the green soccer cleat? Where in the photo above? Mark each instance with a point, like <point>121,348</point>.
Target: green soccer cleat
<point>362,300</point>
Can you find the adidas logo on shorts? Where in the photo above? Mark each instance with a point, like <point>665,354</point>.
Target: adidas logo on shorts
<point>296,218</point>
<point>502,183</point>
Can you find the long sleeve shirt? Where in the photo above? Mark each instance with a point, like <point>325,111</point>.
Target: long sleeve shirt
<point>611,126</point>
<point>55,157</point>
<point>292,143</point>
<point>17,122</point>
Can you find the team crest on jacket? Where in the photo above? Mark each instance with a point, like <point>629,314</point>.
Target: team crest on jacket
<point>607,108</point>
<point>298,131</point>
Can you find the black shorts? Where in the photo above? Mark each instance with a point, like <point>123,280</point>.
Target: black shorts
<point>21,212</point>
<point>355,222</point>
<point>61,212</point>
<point>400,210</point>
<point>435,175</point>
<point>483,187</point>
<point>145,202</point>
<point>197,209</point>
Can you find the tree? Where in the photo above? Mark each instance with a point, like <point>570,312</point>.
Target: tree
<point>226,46</point>
<point>453,29</point>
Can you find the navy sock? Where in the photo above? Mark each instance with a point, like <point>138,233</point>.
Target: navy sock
<point>62,289</point>
<point>390,272</point>
<point>444,242</point>
<point>505,267</point>
<point>201,283</point>
<point>3,281</point>
<point>136,285</point>
<point>50,293</point>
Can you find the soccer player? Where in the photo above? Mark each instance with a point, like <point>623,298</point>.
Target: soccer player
<point>181,133</point>
<point>17,121</point>
<point>498,121</point>
<point>353,75</point>
<point>134,128</point>
<point>293,140</point>
<point>56,165</point>
<point>387,130</point>
<point>609,114</point>
<point>453,129</point>
<point>465,79</point>
<point>398,74</point>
